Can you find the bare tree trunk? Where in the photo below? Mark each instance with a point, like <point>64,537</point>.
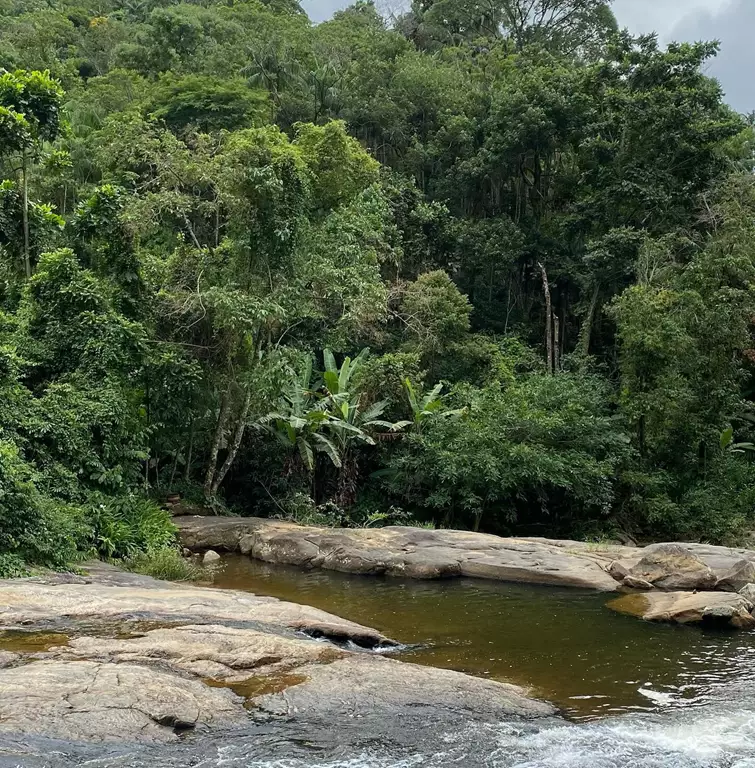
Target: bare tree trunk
<point>234,447</point>
<point>219,430</point>
<point>187,467</point>
<point>477,521</point>
<point>173,472</point>
<point>548,319</point>
<point>586,330</point>
<point>556,343</point>
<point>346,495</point>
<point>25,215</point>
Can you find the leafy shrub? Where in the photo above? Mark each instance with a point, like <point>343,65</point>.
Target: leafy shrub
<point>301,508</point>
<point>381,377</point>
<point>22,516</point>
<point>718,508</point>
<point>542,451</point>
<point>34,528</point>
<point>166,564</point>
<point>125,525</point>
<point>12,566</point>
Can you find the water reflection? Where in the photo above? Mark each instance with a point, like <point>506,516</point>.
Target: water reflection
<point>563,644</point>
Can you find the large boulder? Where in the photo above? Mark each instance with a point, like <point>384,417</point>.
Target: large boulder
<point>670,567</point>
<point>714,608</point>
<point>742,574</point>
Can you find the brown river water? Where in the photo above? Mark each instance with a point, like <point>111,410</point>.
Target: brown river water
<point>634,695</point>
<point>562,644</point>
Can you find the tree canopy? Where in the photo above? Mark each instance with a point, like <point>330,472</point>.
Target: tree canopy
<point>488,265</point>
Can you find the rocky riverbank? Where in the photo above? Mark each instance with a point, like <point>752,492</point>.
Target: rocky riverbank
<point>721,579</point>
<point>125,659</point>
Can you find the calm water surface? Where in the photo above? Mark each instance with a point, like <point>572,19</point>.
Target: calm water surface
<point>563,644</point>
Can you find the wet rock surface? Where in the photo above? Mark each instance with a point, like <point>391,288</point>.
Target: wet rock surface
<point>95,701</point>
<point>241,660</point>
<point>108,595</point>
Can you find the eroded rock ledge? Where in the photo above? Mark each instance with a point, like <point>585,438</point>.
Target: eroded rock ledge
<point>411,552</point>
<point>668,573</point>
<point>135,660</point>
<point>432,554</point>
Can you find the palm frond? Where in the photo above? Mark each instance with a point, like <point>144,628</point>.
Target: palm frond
<point>375,411</point>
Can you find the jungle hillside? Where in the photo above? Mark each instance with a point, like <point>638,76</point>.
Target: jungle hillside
<point>484,265</point>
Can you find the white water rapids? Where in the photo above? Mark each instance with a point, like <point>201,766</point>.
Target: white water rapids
<point>716,741</point>
<point>717,735</point>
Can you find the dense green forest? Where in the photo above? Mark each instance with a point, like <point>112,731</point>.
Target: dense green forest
<point>490,265</point>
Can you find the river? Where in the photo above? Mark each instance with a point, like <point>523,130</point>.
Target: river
<point>562,644</point>
<point>633,695</point>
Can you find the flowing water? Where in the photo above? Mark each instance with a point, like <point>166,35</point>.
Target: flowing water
<point>634,695</point>
<point>562,644</point>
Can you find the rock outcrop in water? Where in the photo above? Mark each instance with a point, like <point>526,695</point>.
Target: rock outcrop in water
<point>137,660</point>
<point>676,570</point>
<point>722,609</point>
<point>432,554</point>
<point>410,552</point>
<point>669,567</point>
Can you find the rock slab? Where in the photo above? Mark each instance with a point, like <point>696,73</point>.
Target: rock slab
<point>204,660</point>
<point>92,701</point>
<point>48,601</point>
<point>714,608</point>
<point>409,552</point>
<point>433,554</point>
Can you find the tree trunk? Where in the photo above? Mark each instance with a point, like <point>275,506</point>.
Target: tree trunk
<point>234,447</point>
<point>556,343</point>
<point>548,319</point>
<point>25,215</point>
<point>173,472</point>
<point>477,521</point>
<point>212,463</point>
<point>347,482</point>
<point>586,330</point>
<point>187,467</point>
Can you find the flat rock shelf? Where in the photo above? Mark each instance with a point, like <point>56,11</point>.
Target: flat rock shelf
<point>111,657</point>
<point>675,570</point>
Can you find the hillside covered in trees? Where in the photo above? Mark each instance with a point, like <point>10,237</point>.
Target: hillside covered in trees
<point>491,265</point>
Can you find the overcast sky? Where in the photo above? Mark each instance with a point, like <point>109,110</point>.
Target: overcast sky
<point>730,21</point>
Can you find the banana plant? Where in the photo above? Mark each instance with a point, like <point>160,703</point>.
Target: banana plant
<point>300,421</point>
<point>350,424</point>
<point>429,405</point>
<point>338,379</point>
<point>728,444</point>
